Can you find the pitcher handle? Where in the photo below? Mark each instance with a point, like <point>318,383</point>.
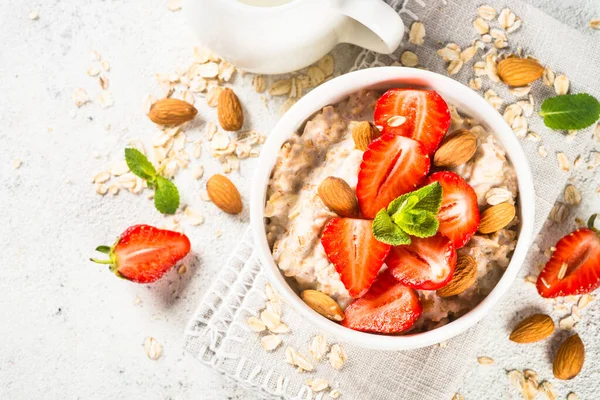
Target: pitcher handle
<point>376,25</point>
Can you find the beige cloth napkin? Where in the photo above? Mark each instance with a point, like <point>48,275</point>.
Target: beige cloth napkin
<point>218,334</point>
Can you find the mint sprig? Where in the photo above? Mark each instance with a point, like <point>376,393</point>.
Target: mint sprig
<point>166,195</point>
<point>570,111</point>
<point>412,214</point>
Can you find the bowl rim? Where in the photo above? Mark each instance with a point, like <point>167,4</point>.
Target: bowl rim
<point>387,77</point>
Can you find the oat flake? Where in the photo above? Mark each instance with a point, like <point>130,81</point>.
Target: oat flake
<point>409,59</point>
<point>561,85</point>
<point>486,12</point>
<point>595,23</point>
<point>497,196</point>
<point>318,347</point>
<point>326,64</point>
<point>455,67</point>
<point>417,33</point>
<point>334,394</point>
<point>174,5</point>
<point>318,385</point>
<point>475,83</point>
<point>481,26</point>
<point>337,356</point>
<point>485,360</point>
<point>559,213</point>
<point>153,348</point>
<point>280,87</point>
<point>212,96</point>
<point>563,161</point>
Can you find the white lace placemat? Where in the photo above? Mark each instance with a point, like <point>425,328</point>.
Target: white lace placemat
<point>218,334</point>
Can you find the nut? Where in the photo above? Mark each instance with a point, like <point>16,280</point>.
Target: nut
<point>338,196</point>
<point>456,149</point>
<point>515,71</point>
<point>465,275</point>
<point>534,328</point>
<point>229,111</point>
<point>569,358</point>
<point>496,217</point>
<point>323,304</point>
<point>364,133</point>
<point>172,112</point>
<point>224,194</point>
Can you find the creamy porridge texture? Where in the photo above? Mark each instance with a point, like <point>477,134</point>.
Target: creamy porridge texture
<point>324,147</point>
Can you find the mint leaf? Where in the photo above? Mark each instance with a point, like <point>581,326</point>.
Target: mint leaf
<point>570,111</point>
<point>419,223</point>
<point>139,164</point>
<point>386,231</point>
<point>166,196</point>
<point>428,198</point>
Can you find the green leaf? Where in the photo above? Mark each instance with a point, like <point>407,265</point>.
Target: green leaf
<point>428,198</point>
<point>386,231</point>
<point>103,249</point>
<point>166,196</point>
<point>419,223</point>
<point>139,165</point>
<point>570,111</point>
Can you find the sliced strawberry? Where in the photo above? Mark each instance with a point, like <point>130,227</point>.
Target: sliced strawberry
<point>459,213</point>
<point>388,307</point>
<point>144,253</point>
<point>392,165</point>
<point>356,254</point>
<point>424,264</point>
<point>427,115</point>
<point>574,267</point>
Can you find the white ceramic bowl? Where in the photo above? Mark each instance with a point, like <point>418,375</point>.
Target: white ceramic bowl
<point>383,78</point>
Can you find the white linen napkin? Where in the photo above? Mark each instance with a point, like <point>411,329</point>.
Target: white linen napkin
<point>218,334</point>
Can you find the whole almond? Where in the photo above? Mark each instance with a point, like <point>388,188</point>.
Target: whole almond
<point>496,217</point>
<point>229,111</point>
<point>323,304</point>
<point>569,358</point>
<point>465,275</point>
<point>517,72</point>
<point>364,133</point>
<point>338,196</point>
<point>534,328</point>
<point>223,193</point>
<point>456,149</point>
<point>172,112</point>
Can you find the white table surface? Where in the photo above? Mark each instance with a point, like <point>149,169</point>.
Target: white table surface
<point>69,329</point>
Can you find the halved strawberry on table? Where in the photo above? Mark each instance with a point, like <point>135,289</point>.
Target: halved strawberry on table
<point>427,117</point>
<point>353,250</point>
<point>459,212</point>
<point>424,264</point>
<point>388,307</point>
<point>574,267</point>
<point>143,253</point>
<point>392,165</point>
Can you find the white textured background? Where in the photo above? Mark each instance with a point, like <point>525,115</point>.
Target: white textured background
<point>69,329</point>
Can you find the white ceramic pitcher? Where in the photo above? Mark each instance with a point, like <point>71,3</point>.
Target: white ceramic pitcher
<point>278,36</point>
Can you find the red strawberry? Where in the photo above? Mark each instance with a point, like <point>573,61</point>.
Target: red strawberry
<point>427,115</point>
<point>356,254</point>
<point>388,307</point>
<point>144,253</point>
<point>392,165</point>
<point>424,264</point>
<point>459,213</point>
<point>574,267</point>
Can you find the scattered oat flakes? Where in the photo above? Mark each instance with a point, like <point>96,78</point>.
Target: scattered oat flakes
<point>475,83</point>
<point>193,217</point>
<point>417,33</point>
<point>507,18</point>
<point>280,87</point>
<point>584,300</point>
<point>491,68</point>
<point>520,91</point>
<point>493,98</point>
<point>454,67</point>
<point>547,389</point>
<point>35,15</point>
<point>212,96</point>
<point>572,195</point>
<point>449,53</point>
<point>481,26</point>
<point>496,196</point>
<point>559,213</point>
<point>174,5</point>
<point>567,323</point>
<point>270,319</point>
<point>259,83</point>
<point>106,99</point>
<point>542,152</point>
<point>548,77</point>
<point>318,347</point>
<point>334,394</point>
<point>317,385</point>
<point>479,68</point>
<point>270,342</point>
<point>326,64</point>
<point>337,356</point>
<point>485,360</point>
<point>563,161</point>
<point>114,189</point>
<point>595,23</point>
<point>561,85</point>
<point>153,348</point>
<point>409,59</point>
<point>315,75</point>
<point>468,53</point>
<point>520,126</point>
<point>256,324</point>
<point>458,396</point>
<point>16,163</point>
<point>486,12</point>
<point>286,105</point>
<point>80,97</point>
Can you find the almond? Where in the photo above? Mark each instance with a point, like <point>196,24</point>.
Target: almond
<point>224,194</point>
<point>364,133</point>
<point>534,328</point>
<point>569,358</point>
<point>338,196</point>
<point>465,275</point>
<point>323,304</point>
<point>517,72</point>
<point>496,217</point>
<point>229,111</point>
<point>172,112</point>
<point>456,149</point>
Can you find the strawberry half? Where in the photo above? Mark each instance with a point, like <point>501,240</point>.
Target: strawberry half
<point>574,267</point>
<point>353,250</point>
<point>424,264</point>
<point>427,115</point>
<point>144,253</point>
<point>388,307</point>
<point>459,212</point>
<point>392,165</point>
